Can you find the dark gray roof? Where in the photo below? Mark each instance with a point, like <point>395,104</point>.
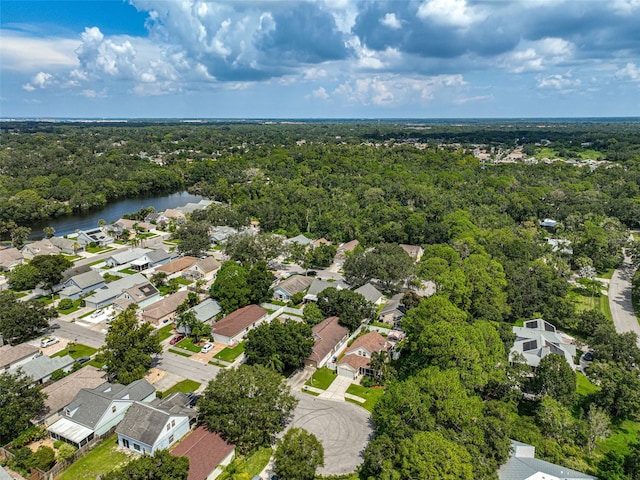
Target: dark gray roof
<point>369,292</point>
<point>88,279</point>
<point>295,284</point>
<point>42,367</point>
<point>89,405</point>
<point>159,255</point>
<point>392,304</point>
<point>143,422</point>
<point>206,310</point>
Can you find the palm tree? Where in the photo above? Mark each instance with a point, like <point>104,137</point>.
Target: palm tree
<point>378,364</point>
<point>275,363</point>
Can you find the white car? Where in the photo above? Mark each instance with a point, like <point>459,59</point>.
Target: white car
<point>207,348</point>
<point>48,341</point>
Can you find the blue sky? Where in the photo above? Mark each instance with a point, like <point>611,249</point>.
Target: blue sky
<point>319,59</point>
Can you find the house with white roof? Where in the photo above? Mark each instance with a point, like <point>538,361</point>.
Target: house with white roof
<point>14,356</point>
<point>94,235</point>
<point>128,256</point>
<point>153,259</point>
<point>79,285</point>
<point>10,258</point>
<point>537,338</point>
<point>41,247</point>
<point>107,294</point>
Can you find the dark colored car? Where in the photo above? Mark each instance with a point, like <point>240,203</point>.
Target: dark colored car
<point>176,339</point>
<point>54,326</point>
<point>312,273</point>
<point>82,360</point>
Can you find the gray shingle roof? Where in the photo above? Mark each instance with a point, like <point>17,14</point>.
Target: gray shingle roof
<point>295,284</point>
<point>369,292</point>
<point>42,367</point>
<point>143,422</point>
<point>158,255</point>
<point>89,405</point>
<point>206,310</point>
<point>117,287</point>
<point>10,354</point>
<point>129,255</point>
<point>88,279</point>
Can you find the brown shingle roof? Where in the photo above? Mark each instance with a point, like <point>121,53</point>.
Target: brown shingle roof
<point>328,334</point>
<point>164,307</point>
<point>10,354</point>
<point>237,321</point>
<point>208,264</point>
<point>177,265</point>
<point>205,451</point>
<point>355,361</point>
<point>63,391</point>
<point>371,342</point>
<point>295,284</point>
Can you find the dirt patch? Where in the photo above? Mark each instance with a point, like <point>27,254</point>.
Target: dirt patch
<point>154,375</point>
<point>47,442</point>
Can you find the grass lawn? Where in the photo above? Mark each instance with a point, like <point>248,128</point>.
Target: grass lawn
<point>95,263</point>
<point>179,352</point>
<point>545,153</point>
<point>128,271</point>
<point>184,281</point>
<point>585,387</point>
<point>48,300</point>
<point>589,154</point>
<point>187,344</point>
<point>185,386</point>
<point>76,351</point>
<point>583,302</point>
<point>607,274</point>
<point>217,364</point>
<point>251,465</point>
<point>371,395</point>
<point>165,332</point>
<point>621,437</point>
<point>20,294</point>
<point>99,249</point>
<point>96,363</point>
<point>101,459</point>
<point>322,378</point>
<point>110,278</point>
<point>230,354</point>
<point>380,325</point>
<point>71,258</point>
<point>76,306</point>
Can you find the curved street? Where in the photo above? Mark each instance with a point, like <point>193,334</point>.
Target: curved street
<point>624,317</point>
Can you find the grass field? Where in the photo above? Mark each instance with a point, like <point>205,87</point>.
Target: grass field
<point>187,344</point>
<point>185,386</point>
<point>76,351</point>
<point>100,460</point>
<point>165,332</point>
<point>371,395</point>
<point>322,378</point>
<point>249,466</point>
<point>621,437</point>
<point>128,271</point>
<point>76,307</point>
<point>583,302</point>
<point>230,354</point>
<point>585,387</point>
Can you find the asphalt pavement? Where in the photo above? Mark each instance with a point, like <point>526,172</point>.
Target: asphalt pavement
<point>624,317</point>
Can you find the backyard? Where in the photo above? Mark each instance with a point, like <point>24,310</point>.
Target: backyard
<point>101,459</point>
<point>251,465</point>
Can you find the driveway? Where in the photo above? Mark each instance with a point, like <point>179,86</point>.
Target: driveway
<point>337,389</point>
<point>624,317</point>
<point>343,428</point>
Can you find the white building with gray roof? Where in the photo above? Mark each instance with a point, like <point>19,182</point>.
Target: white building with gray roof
<point>94,411</point>
<point>537,339</point>
<point>106,295</point>
<point>41,368</point>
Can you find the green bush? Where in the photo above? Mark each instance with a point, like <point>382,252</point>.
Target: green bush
<point>65,451</point>
<point>31,434</point>
<point>65,304</point>
<point>58,375</point>
<point>44,458</point>
<point>57,444</point>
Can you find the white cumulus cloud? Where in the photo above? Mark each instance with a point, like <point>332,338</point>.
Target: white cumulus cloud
<point>630,71</point>
<point>391,21</point>
<point>559,82</point>
<point>449,12</point>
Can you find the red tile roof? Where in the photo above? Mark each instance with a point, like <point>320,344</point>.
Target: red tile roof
<point>237,321</point>
<point>205,451</point>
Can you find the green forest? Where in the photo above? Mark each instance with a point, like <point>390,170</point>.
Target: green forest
<point>453,397</point>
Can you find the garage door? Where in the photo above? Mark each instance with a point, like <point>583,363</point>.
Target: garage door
<point>346,372</point>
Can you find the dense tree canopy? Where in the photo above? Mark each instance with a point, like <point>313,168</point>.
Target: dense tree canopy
<point>21,321</point>
<point>236,286</point>
<point>282,346</point>
<point>349,306</point>
<point>128,347</point>
<point>298,455</point>
<point>247,405</point>
<point>20,401</point>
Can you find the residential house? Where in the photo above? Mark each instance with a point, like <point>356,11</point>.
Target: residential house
<point>41,247</point>
<point>60,393</point>
<point>94,235</point>
<point>300,240</point>
<point>79,285</point>
<point>537,339</point>
<point>107,294</point>
<point>321,241</point>
<point>329,339</point>
<point>174,215</point>
<point>157,218</point>
<point>67,245</point>
<point>220,234</point>
<point>156,425</point>
<point>94,411</point>
<point>163,310</point>
<point>127,224</point>
<point>208,454</point>
<point>393,311</point>
<point>355,361</point>
<point>414,251</point>
<point>318,286</point>
<point>4,475</point>
<point>205,311</point>
<point>292,285</point>
<point>205,269</point>
<point>522,465</point>
<point>370,294</point>
<point>10,258</point>
<point>189,208</point>
<point>175,268</point>
<point>126,257</point>
<point>548,223</point>
<point>14,356</point>
<point>153,259</point>
<point>41,368</point>
<point>344,249</point>
<point>142,294</point>
<point>232,328</point>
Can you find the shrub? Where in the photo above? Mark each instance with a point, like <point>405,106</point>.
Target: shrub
<point>65,304</point>
<point>65,451</point>
<point>58,375</point>
<point>44,458</point>
<point>31,434</point>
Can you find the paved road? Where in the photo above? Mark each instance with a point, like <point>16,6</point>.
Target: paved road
<point>170,362</point>
<point>622,312</point>
<point>343,428</point>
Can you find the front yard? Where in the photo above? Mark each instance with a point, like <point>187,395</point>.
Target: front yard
<point>76,351</point>
<point>104,458</point>
<point>230,354</point>
<point>371,395</point>
<point>249,466</point>
<point>321,378</point>
<point>165,332</point>
<point>187,344</point>
<point>185,386</point>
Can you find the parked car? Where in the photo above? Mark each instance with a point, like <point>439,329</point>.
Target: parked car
<point>176,339</point>
<point>82,360</point>
<point>54,326</point>
<point>206,348</point>
<point>48,341</point>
